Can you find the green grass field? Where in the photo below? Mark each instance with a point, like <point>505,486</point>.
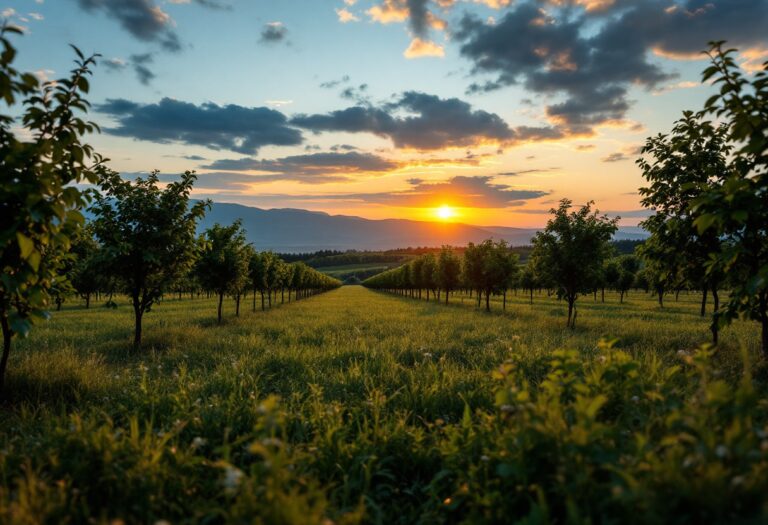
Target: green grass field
<point>360,406</point>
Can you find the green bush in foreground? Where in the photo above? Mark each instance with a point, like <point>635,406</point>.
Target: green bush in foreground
<point>570,440</point>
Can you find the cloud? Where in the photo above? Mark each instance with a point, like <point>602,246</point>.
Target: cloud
<point>139,63</point>
<point>144,19</point>
<point>423,48</point>
<point>317,166</point>
<point>591,52</point>
<point>330,84</point>
<point>528,172</point>
<point>231,127</point>
<point>430,122</point>
<point>461,191</point>
<point>615,157</point>
<point>273,33</point>
<point>346,16</point>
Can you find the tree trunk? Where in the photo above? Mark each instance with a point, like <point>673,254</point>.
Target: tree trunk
<point>7,334</point>
<point>254,300</point>
<point>138,313</point>
<point>504,301</point>
<point>446,297</point>
<point>237,305</point>
<point>487,301</point>
<point>269,298</point>
<point>282,295</point>
<point>764,322</point>
<point>262,301</point>
<point>570,312</point>
<point>221,300</point>
<point>621,297</point>
<point>427,294</point>
<point>602,298</point>
<point>87,300</point>
<point>704,302</point>
<point>660,294</point>
<point>531,295</point>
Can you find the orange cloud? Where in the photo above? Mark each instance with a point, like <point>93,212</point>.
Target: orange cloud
<point>423,48</point>
<point>388,12</point>
<point>345,15</point>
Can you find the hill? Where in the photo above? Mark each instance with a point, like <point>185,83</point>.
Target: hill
<point>294,230</point>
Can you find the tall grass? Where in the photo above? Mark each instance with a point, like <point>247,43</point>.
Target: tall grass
<point>356,406</point>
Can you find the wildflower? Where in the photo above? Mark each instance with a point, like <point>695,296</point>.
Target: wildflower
<point>721,451</point>
<point>484,458</point>
<point>272,442</point>
<point>427,355</point>
<point>635,399</point>
<point>198,442</point>
<point>507,409</point>
<point>232,478</point>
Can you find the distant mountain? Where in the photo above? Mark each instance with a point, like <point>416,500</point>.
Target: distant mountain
<point>293,230</point>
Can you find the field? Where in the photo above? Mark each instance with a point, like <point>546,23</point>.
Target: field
<point>357,406</point>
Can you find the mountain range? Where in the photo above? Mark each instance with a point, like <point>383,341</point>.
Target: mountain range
<point>294,230</point>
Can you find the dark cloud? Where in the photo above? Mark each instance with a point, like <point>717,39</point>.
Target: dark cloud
<point>358,94</point>
<point>474,192</point>
<point>319,165</point>
<point>330,84</point>
<point>273,33</point>
<point>592,57</point>
<point>230,127</point>
<point>144,19</point>
<point>139,62</point>
<point>430,122</point>
<point>615,157</point>
<point>527,172</point>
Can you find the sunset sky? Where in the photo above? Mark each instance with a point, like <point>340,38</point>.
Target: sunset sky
<point>485,112</point>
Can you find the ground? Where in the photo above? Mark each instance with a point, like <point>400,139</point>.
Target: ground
<point>339,407</point>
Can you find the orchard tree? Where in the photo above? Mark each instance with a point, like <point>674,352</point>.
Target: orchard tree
<point>528,279</point>
<point>222,265</point>
<point>571,249</point>
<point>39,197</point>
<point>737,208</point>
<point>85,272</point>
<point>147,236</point>
<point>448,271</point>
<point>680,168</point>
<point>429,273</point>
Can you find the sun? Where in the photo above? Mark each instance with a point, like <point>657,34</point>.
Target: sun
<point>445,212</point>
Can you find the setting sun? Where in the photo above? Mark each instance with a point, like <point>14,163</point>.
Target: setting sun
<point>445,212</point>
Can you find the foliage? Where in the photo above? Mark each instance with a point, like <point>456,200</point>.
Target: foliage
<point>223,260</point>
<point>39,199</point>
<point>147,236</point>
<point>737,208</point>
<point>356,406</point>
<point>571,249</point>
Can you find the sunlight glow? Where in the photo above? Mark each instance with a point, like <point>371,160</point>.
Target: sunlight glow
<point>445,212</point>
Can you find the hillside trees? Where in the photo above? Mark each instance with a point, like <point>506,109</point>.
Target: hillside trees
<point>147,235</point>
<point>223,263</point>
<point>39,199</point>
<point>571,249</point>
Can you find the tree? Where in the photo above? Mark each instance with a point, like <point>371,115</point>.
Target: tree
<point>429,273</point>
<point>39,199</point>
<point>683,165</point>
<point>147,235</point>
<point>448,271</point>
<point>737,209</point>
<point>571,249</point>
<point>528,279</point>
<point>85,272</point>
<point>222,265</point>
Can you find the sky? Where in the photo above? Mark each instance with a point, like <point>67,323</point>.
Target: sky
<point>485,112</point>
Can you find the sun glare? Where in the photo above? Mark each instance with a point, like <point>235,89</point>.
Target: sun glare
<point>445,212</point>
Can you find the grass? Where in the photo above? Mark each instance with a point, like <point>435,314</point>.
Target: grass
<point>360,406</point>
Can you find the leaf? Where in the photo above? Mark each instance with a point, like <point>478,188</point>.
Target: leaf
<point>26,246</point>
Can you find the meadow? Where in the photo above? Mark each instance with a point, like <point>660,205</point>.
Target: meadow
<point>357,406</point>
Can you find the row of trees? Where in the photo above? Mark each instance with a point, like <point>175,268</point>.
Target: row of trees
<point>143,239</point>
<point>568,256</point>
<point>145,246</point>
